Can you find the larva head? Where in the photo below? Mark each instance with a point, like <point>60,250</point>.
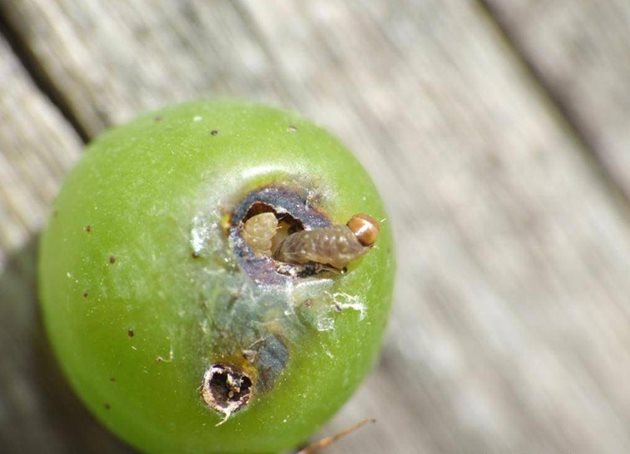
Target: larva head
<point>365,228</point>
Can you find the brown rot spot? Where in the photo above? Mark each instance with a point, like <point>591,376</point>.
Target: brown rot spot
<point>214,132</point>
<point>88,228</point>
<point>226,389</point>
<point>112,259</point>
<point>130,332</point>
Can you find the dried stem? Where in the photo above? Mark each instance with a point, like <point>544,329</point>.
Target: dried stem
<point>325,442</point>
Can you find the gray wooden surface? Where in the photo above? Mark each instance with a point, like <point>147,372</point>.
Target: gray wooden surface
<point>497,132</point>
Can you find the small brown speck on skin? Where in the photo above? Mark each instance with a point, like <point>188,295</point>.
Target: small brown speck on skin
<point>112,259</point>
<point>157,119</point>
<point>194,255</point>
<point>88,228</point>
<point>214,132</point>
<point>85,294</point>
<point>107,406</point>
<point>130,332</point>
<point>112,379</point>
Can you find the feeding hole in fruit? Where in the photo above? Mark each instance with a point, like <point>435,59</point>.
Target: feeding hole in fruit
<point>226,389</point>
<point>277,233</point>
<point>255,240</point>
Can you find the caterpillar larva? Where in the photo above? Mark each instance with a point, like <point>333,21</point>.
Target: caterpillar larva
<point>335,246</point>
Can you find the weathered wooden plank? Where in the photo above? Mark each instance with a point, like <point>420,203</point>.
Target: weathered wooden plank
<point>36,149</point>
<point>510,328</point>
<point>38,413</point>
<point>113,62</point>
<point>581,51</point>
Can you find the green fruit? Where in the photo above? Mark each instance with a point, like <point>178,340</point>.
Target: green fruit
<point>173,332</point>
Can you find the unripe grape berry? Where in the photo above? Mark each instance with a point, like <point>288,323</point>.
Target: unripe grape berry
<point>176,299</point>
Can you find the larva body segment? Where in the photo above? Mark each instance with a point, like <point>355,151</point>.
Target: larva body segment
<point>335,246</point>
<point>259,231</point>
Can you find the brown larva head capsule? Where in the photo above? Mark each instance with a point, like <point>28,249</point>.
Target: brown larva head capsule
<point>365,228</point>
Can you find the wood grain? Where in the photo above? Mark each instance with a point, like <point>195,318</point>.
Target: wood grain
<point>36,149</point>
<point>581,53</point>
<point>510,329</point>
<point>38,412</point>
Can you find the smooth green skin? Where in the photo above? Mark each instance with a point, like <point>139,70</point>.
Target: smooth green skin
<point>139,186</point>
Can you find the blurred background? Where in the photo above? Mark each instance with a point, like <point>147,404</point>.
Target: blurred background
<point>498,132</point>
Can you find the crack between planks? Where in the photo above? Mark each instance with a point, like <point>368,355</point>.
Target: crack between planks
<point>35,70</point>
<point>570,120</point>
